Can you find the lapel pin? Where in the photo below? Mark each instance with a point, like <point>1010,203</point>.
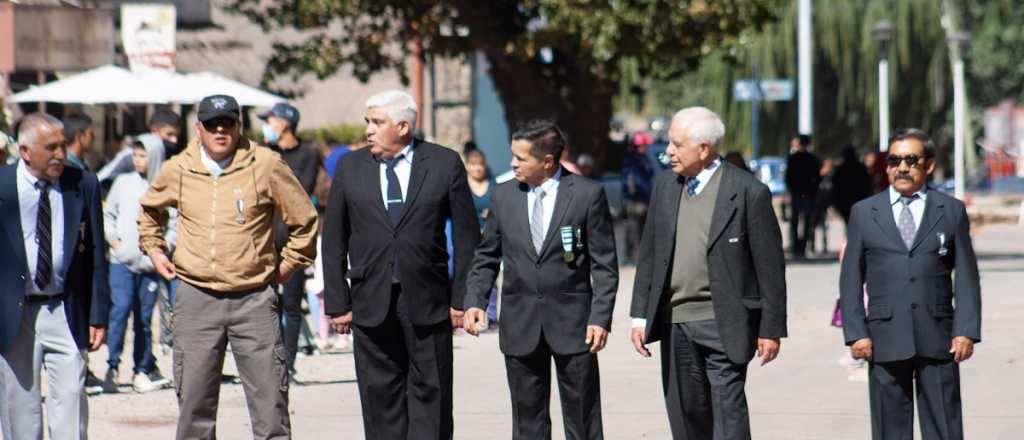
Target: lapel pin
<point>942,243</point>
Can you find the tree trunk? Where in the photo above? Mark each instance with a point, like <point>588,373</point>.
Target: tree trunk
<point>578,100</point>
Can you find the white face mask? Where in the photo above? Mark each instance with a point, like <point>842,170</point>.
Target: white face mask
<point>270,135</point>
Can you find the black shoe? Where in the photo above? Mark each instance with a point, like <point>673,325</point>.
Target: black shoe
<point>109,384</point>
<point>158,379</point>
<point>93,384</point>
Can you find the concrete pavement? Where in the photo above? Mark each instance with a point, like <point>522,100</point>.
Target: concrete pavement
<point>805,394</point>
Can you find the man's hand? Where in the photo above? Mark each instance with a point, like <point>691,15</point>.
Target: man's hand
<point>597,337</point>
<point>768,349</point>
<point>456,316</point>
<point>97,335</point>
<point>637,336</point>
<point>284,272</point>
<point>962,348</point>
<point>474,321</point>
<point>163,266</point>
<point>342,323</point>
<point>115,244</point>
<point>861,349</point>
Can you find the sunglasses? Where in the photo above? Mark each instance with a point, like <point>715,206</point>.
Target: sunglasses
<point>227,123</point>
<point>911,160</point>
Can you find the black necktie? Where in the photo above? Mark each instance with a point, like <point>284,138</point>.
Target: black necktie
<point>395,200</point>
<point>44,264</point>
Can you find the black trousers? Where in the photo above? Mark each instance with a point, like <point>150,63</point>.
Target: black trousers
<point>891,387</point>
<point>292,293</point>
<point>803,214</point>
<point>404,373</point>
<point>704,390</point>
<point>529,383</point>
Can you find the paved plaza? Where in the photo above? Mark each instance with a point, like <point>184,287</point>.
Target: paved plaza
<point>805,394</point>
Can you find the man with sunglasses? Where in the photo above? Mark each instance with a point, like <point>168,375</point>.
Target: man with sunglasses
<point>226,190</point>
<point>904,244</point>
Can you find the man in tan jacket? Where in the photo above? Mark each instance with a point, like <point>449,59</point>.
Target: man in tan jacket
<point>226,190</point>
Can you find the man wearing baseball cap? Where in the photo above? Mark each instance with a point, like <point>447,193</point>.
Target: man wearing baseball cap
<point>305,160</point>
<point>226,190</point>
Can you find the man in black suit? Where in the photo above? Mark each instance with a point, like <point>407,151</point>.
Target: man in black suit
<point>710,282</point>
<point>385,233</point>
<point>904,244</point>
<point>54,295</point>
<point>803,176</point>
<point>553,232</point>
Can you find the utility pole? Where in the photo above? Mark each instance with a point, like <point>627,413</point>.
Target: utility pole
<point>957,41</point>
<point>882,33</point>
<point>805,68</point>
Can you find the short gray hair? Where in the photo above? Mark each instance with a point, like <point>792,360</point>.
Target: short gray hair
<point>701,125</point>
<point>400,106</point>
<point>28,130</point>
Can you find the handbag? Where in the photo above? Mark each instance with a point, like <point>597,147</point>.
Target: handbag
<point>837,316</point>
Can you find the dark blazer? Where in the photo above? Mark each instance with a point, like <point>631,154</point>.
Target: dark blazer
<point>86,289</point>
<point>746,265</point>
<point>545,294</point>
<point>358,231</point>
<point>910,291</point>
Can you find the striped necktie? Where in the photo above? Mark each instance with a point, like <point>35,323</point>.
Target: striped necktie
<point>907,227</point>
<point>537,221</point>
<point>44,262</point>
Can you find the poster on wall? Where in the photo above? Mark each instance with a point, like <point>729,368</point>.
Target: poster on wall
<point>147,32</point>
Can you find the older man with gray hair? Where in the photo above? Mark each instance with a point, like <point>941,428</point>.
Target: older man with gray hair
<point>54,295</point>
<point>384,232</point>
<point>710,281</point>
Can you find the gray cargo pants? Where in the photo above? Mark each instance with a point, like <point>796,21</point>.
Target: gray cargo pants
<point>204,323</point>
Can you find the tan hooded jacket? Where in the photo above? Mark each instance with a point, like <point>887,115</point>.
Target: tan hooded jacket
<point>225,224</point>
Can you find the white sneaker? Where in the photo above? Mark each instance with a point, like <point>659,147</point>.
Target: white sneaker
<point>142,384</point>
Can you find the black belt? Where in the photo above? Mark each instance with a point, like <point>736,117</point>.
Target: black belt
<point>31,299</point>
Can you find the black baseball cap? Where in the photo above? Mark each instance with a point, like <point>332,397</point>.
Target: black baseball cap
<point>284,111</point>
<point>216,106</point>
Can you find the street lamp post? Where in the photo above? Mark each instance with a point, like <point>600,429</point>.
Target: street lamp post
<point>957,43</point>
<point>882,33</point>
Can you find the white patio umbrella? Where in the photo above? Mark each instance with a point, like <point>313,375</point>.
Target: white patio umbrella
<point>102,85</point>
<point>197,86</point>
<point>112,84</point>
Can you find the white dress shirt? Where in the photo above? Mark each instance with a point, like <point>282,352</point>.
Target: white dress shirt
<point>28,201</point>
<point>550,188</point>
<point>403,168</point>
<point>702,180</point>
<point>916,206</point>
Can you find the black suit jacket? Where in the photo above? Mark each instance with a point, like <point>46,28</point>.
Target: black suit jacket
<point>86,287</point>
<point>910,291</point>
<point>746,265</point>
<point>358,231</point>
<point>544,294</point>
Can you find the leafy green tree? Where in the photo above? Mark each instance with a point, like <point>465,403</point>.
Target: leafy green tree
<point>845,70</point>
<point>558,59</point>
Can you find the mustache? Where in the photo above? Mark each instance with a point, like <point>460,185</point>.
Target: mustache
<point>904,176</point>
<point>55,162</point>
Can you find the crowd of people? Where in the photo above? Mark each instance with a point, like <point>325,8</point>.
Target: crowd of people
<point>406,242</point>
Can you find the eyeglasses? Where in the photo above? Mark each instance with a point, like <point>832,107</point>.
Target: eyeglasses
<point>212,124</point>
<point>911,160</point>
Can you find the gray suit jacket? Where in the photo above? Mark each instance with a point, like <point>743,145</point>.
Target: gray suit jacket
<point>746,265</point>
<point>543,294</point>
<point>910,291</point>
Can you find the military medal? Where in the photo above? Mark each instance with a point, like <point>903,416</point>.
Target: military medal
<point>240,206</point>
<point>566,233</point>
